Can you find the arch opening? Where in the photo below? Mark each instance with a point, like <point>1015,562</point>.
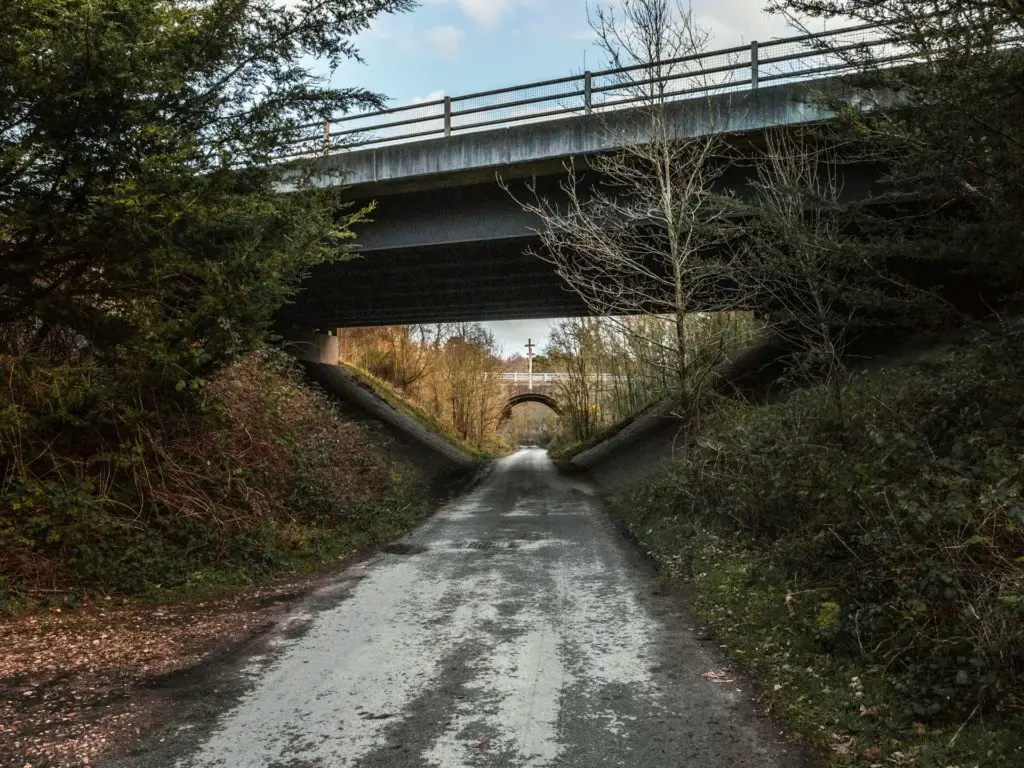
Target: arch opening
<point>528,397</point>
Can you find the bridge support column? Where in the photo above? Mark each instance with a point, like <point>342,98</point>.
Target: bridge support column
<point>318,348</point>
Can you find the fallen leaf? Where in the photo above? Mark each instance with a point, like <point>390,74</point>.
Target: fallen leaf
<point>717,676</point>
<point>843,745</point>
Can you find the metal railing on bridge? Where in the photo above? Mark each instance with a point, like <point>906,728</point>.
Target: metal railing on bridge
<point>742,68</point>
<point>553,378</point>
<point>536,378</point>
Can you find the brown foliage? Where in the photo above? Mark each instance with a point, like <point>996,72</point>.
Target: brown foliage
<point>238,474</point>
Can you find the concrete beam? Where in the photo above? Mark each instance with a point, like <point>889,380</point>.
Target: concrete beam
<point>466,158</point>
<point>448,244</point>
<point>318,348</point>
<point>485,212</point>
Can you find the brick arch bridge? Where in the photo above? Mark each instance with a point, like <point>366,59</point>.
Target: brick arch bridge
<point>542,388</point>
<point>522,388</point>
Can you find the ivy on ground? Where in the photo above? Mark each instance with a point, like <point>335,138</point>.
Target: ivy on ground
<point>873,572</point>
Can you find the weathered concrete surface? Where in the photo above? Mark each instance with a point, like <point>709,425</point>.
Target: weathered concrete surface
<point>318,348</point>
<point>487,213</point>
<point>448,244</point>
<point>439,459</point>
<point>513,630</point>
<point>427,164</point>
<point>470,253</point>
<point>647,445</point>
<point>657,436</point>
<point>756,374</point>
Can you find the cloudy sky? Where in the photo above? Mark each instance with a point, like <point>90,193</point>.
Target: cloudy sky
<point>452,47</point>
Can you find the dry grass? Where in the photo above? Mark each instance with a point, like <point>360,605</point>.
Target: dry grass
<point>233,480</point>
<point>270,424</point>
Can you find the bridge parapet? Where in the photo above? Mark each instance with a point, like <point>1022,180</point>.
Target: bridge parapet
<point>555,377</point>
<point>752,87</point>
<point>542,383</point>
<point>548,383</point>
<point>537,378</point>
<point>549,388</point>
<point>744,68</point>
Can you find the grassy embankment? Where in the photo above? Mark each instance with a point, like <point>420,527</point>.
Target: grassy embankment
<point>400,403</point>
<point>565,451</point>
<point>261,477</point>
<point>871,571</point>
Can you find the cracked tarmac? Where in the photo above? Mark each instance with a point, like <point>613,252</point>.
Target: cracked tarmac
<point>515,629</point>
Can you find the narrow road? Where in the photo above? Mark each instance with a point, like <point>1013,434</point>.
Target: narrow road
<point>515,629</point>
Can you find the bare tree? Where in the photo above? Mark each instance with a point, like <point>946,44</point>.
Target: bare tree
<point>449,370</point>
<point>467,383</point>
<point>794,254</point>
<point>639,230</point>
<point>399,354</point>
<point>575,348</point>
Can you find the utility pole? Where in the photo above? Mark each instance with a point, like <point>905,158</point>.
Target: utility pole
<point>529,358</point>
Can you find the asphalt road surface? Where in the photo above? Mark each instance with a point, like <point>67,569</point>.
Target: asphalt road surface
<point>516,629</point>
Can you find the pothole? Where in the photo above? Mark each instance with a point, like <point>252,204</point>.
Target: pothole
<point>404,549</point>
<point>297,628</point>
<point>489,544</point>
<point>534,536</point>
<point>481,544</point>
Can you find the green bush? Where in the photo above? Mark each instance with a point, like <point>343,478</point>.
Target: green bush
<point>899,535</point>
<point>252,473</point>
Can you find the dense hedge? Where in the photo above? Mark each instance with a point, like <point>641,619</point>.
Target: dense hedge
<point>250,474</point>
<point>898,536</point>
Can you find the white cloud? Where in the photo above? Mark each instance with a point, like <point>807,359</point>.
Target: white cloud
<point>734,22</point>
<point>447,41</point>
<point>730,22</point>
<point>486,13</point>
<point>432,96</point>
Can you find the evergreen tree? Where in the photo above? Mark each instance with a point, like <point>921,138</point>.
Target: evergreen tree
<point>951,137</point>
<point>141,208</point>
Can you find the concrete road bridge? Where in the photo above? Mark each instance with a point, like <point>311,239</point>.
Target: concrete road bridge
<point>447,244</point>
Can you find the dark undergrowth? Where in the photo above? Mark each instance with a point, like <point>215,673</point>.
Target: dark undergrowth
<point>253,475</point>
<point>870,568</point>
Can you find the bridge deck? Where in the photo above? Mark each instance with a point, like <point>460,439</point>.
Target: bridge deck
<point>541,148</point>
<point>448,245</point>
